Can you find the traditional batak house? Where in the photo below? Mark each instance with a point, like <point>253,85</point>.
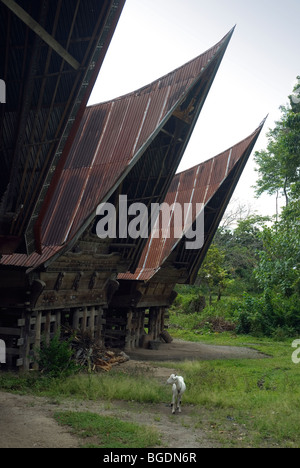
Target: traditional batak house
<point>128,146</point>
<point>144,297</point>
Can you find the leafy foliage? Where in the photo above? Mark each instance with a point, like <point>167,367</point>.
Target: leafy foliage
<point>269,314</point>
<point>55,358</point>
<point>213,272</point>
<point>241,246</point>
<point>279,164</point>
<point>280,260</point>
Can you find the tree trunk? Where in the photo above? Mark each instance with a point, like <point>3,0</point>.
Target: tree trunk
<point>285,193</point>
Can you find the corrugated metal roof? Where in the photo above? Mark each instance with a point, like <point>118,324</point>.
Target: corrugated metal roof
<point>196,185</point>
<point>29,261</point>
<point>111,139</point>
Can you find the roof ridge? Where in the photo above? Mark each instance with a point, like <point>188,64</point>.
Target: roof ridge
<point>222,42</point>
<point>250,137</point>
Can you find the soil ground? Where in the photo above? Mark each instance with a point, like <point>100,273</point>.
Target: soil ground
<point>27,421</point>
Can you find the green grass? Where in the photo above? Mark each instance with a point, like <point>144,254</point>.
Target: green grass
<point>262,396</point>
<point>108,432</point>
<point>115,385</point>
<point>240,403</point>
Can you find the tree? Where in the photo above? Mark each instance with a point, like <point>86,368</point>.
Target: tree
<point>241,246</point>
<point>279,164</point>
<point>213,273</point>
<point>277,272</point>
<point>279,266</point>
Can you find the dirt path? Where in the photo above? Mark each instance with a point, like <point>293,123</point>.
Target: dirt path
<point>180,350</point>
<point>27,421</point>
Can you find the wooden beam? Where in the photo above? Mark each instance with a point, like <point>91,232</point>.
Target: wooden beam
<point>41,32</point>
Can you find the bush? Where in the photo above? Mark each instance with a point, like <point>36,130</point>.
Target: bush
<point>55,358</point>
<point>270,314</point>
<point>217,325</point>
<point>249,316</point>
<point>189,301</point>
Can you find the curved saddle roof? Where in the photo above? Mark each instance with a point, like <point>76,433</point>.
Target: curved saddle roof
<point>209,184</point>
<point>112,139</point>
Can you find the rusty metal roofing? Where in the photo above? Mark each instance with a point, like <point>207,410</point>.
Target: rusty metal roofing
<point>113,137</point>
<point>51,53</point>
<point>29,261</point>
<point>199,184</point>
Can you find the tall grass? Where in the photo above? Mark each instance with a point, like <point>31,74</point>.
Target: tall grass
<point>115,385</point>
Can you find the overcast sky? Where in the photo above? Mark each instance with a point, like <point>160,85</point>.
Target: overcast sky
<point>257,74</point>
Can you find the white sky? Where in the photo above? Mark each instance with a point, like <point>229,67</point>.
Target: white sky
<point>257,74</point>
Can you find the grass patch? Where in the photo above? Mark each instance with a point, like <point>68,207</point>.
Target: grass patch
<point>115,385</point>
<point>258,399</point>
<point>108,432</point>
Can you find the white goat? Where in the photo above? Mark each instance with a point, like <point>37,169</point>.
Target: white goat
<point>178,388</point>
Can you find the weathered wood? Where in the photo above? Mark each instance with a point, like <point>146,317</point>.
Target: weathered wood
<point>165,335</point>
<point>80,289</point>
